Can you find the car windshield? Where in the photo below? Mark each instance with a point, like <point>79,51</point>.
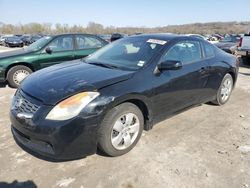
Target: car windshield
<point>13,38</point>
<point>36,37</point>
<point>4,37</point>
<point>38,44</point>
<point>126,54</point>
<point>25,37</point>
<point>105,37</point>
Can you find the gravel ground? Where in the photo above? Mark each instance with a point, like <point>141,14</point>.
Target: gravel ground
<point>207,146</point>
<point>5,49</point>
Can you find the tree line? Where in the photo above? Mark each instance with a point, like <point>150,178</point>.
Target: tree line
<point>96,28</point>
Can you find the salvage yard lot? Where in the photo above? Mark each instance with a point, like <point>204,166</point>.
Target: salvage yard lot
<point>5,49</point>
<point>206,146</point>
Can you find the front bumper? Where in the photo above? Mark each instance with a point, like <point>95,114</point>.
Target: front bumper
<point>13,44</point>
<point>72,140</point>
<point>59,140</point>
<point>2,75</point>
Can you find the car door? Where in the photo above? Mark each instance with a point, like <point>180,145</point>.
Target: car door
<point>214,74</point>
<point>59,50</point>
<point>86,45</point>
<point>177,89</point>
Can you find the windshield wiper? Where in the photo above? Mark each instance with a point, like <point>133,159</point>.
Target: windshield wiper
<point>104,65</point>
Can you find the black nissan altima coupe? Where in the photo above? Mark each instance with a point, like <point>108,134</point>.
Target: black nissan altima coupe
<point>106,100</point>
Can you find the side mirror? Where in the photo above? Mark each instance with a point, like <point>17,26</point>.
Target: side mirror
<point>48,50</point>
<point>169,65</point>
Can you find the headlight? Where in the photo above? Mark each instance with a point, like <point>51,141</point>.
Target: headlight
<point>71,106</point>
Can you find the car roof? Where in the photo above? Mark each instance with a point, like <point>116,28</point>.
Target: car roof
<point>159,36</point>
<point>163,36</point>
<point>56,35</point>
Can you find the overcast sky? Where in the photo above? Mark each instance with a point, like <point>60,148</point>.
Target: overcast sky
<point>148,13</point>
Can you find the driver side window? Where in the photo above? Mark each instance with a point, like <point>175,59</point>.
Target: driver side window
<point>63,43</point>
<point>186,52</point>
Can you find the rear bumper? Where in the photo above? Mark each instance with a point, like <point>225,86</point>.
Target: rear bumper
<point>243,52</point>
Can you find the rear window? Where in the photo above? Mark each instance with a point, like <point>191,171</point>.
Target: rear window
<point>209,50</point>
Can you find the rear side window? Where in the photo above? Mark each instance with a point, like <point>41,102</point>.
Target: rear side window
<point>86,42</point>
<point>186,52</point>
<point>209,50</point>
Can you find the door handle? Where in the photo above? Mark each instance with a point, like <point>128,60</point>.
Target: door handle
<point>203,70</point>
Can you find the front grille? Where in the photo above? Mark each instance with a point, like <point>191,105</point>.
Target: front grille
<point>22,105</point>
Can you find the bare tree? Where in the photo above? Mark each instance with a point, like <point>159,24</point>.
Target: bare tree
<point>96,28</point>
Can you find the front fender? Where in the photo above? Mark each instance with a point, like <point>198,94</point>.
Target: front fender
<point>102,105</point>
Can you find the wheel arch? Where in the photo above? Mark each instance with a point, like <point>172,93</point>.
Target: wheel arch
<point>141,102</point>
<point>19,63</point>
<point>233,76</point>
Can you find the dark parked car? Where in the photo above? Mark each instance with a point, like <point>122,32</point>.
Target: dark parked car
<point>106,100</point>
<point>105,37</point>
<point>18,35</point>
<point>227,42</point>
<point>116,36</point>
<point>13,42</point>
<point>197,36</point>
<point>34,38</point>
<point>29,39</point>
<point>26,39</point>
<point>50,50</point>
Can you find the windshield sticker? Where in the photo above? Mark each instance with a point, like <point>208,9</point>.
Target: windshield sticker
<point>156,41</point>
<point>141,63</point>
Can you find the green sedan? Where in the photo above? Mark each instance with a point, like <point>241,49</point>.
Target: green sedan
<point>50,50</point>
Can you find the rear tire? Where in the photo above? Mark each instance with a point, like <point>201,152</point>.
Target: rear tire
<point>224,91</point>
<point>121,129</point>
<point>16,75</point>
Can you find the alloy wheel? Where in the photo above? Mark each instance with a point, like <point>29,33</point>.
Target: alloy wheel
<point>125,131</point>
<point>226,89</point>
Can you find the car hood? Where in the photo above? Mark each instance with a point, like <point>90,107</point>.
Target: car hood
<point>53,84</point>
<point>13,40</point>
<point>13,53</point>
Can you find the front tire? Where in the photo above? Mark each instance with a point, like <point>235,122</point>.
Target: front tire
<point>224,91</point>
<point>16,75</point>
<point>121,129</point>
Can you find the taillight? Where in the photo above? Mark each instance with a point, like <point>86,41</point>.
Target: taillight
<point>240,42</point>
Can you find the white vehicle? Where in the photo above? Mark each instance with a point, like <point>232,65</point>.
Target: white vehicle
<point>2,38</point>
<point>244,48</point>
<point>213,40</point>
